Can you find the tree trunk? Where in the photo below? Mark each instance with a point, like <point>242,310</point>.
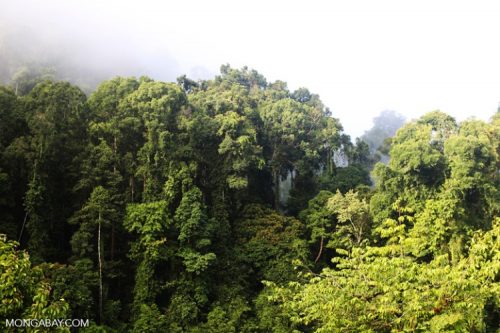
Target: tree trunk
<point>131,184</point>
<point>99,249</point>
<point>320,249</point>
<point>112,255</point>
<point>276,177</point>
<point>115,150</point>
<point>329,162</point>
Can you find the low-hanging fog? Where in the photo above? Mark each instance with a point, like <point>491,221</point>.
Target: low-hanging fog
<point>360,57</point>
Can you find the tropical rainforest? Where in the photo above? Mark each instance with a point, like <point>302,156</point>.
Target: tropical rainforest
<point>237,205</point>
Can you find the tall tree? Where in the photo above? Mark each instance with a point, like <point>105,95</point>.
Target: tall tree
<point>94,221</point>
<point>57,118</point>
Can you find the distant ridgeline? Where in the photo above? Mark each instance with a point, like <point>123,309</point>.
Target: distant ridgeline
<point>236,205</point>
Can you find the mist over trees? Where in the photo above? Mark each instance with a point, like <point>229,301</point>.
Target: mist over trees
<point>27,60</point>
<point>378,137</point>
<point>237,205</point>
<point>32,53</point>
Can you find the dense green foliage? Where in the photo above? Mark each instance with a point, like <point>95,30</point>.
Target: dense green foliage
<point>433,260</point>
<point>221,206</point>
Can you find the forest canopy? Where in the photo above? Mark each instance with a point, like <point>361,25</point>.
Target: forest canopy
<point>237,205</point>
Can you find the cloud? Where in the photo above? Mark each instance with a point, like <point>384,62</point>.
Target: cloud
<point>361,57</point>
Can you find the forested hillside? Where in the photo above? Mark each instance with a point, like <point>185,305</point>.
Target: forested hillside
<point>237,205</point>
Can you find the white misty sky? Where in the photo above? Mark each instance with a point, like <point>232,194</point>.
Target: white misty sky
<point>360,56</point>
